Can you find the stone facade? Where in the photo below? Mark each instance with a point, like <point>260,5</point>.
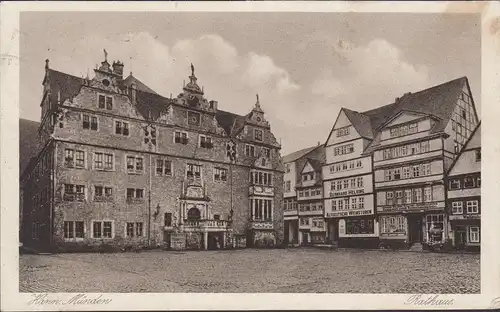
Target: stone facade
<point>125,166</point>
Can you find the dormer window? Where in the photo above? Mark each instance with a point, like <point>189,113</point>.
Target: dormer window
<point>105,102</point>
<point>257,135</point>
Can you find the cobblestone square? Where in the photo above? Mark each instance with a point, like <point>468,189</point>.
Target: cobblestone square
<point>250,270</point>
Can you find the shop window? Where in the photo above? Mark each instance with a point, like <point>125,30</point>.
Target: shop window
<point>393,224</point>
<point>359,226</point>
<point>474,234</point>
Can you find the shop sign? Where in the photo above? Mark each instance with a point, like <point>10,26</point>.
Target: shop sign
<point>349,213</point>
<point>465,217</point>
<point>411,207</point>
<point>347,193</point>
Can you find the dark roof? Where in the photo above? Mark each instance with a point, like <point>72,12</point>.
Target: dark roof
<point>232,123</point>
<point>476,134</point>
<point>298,154</point>
<point>315,163</point>
<point>27,142</point>
<point>69,86</point>
<point>151,105</point>
<point>127,82</point>
<point>360,122</point>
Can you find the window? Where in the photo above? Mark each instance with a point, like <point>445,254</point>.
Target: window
<point>69,158</point>
<point>353,183</point>
<point>454,184</point>
<point>73,229</point>
<point>121,128</point>
<point>354,203</point>
<point>408,197</point>
<point>257,135</point>
<point>417,195</point>
<point>103,161</point>
<point>342,131</point>
<point>390,198</point>
<point>287,168</point>
<point>134,229</point>
<point>361,202</point>
<point>393,224</point>
<point>426,169</point>
<point>472,206</point>
<point>478,182</point>
<point>359,164</point>
<point>397,173</point>
<point>304,177</point>
<point>74,192</point>
<point>478,155</point>
<point>435,222</point>
<point>163,167</point>
<point>135,164</point>
<point>249,150</point>
<point>424,147</point>
<point>334,205</point>
<point>102,229</point>
<point>359,226</point>
<point>399,197</point>
<point>262,209</point>
<point>181,137</point>
<point>287,186</point>
<point>220,174</point>
<point>193,170</point>
<point>89,122</point>
<point>469,182</point>
<point>267,152</point>
<point>102,193</point>
<point>318,192</point>
<point>206,142</point>
<point>406,173</point>
<point>167,219</point>
<point>135,193</point>
<point>344,149</point>
<point>428,194</point>
<point>474,234</point>
<point>457,207</point>
<point>306,193</point>
<point>105,102</point>
<point>416,171</point>
<point>345,184</point>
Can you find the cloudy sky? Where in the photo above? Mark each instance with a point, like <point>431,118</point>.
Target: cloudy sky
<point>304,66</point>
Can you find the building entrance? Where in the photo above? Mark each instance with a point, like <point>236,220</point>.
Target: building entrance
<point>460,237</point>
<point>415,228</point>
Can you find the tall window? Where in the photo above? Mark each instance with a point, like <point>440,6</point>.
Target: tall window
<point>249,150</point>
<point>417,195</point>
<point>163,167</point>
<point>105,102</point>
<point>287,168</point>
<point>167,219</point>
<point>390,198</point>
<point>121,128</point>
<point>220,174</point>
<point>428,194</point>
<point>89,122</point>
<point>193,171</point>
<point>135,164</point>
<point>474,234</point>
<point>262,209</point>
<point>74,158</point>
<point>73,229</point>
<point>102,229</point>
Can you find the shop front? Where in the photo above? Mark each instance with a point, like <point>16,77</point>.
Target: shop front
<point>465,232</point>
<point>358,232</point>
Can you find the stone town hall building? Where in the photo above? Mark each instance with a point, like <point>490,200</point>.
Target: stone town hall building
<point>117,163</point>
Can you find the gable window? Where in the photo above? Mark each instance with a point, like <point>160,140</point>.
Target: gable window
<point>135,164</point>
<point>457,207</point>
<point>90,122</point>
<point>472,206</point>
<point>193,170</point>
<point>257,135</point>
<point>102,229</point>
<point>343,131</point>
<point>249,150</point>
<point>121,128</point>
<point>454,184</point>
<point>478,155</point>
<point>181,137</point>
<point>134,229</point>
<point>163,167</point>
<point>105,101</point>
<point>206,142</point>
<point>220,174</point>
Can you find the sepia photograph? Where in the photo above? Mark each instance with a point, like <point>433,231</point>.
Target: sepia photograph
<point>249,152</point>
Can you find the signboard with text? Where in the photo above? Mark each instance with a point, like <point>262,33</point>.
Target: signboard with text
<point>346,193</point>
<point>412,207</point>
<point>349,213</point>
<point>465,217</point>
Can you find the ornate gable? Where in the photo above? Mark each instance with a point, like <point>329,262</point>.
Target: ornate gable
<point>256,116</point>
<point>192,96</point>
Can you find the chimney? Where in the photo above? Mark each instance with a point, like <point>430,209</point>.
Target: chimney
<point>47,64</point>
<point>134,93</point>
<point>319,143</point>
<point>118,68</point>
<point>213,105</point>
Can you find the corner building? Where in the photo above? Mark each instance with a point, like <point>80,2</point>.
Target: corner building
<point>119,164</point>
<point>348,183</point>
<point>464,195</point>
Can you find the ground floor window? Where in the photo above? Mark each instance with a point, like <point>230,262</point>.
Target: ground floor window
<point>359,226</point>
<point>102,229</point>
<point>474,234</point>
<point>435,221</point>
<point>134,229</point>
<point>73,229</point>
<point>393,224</point>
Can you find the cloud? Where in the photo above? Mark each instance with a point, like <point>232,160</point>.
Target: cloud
<point>370,75</point>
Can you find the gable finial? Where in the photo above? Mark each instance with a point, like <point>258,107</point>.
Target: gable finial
<point>105,55</point>
<point>192,69</point>
<point>46,64</point>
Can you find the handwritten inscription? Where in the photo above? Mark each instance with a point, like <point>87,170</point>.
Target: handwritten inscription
<point>45,299</point>
<point>428,300</point>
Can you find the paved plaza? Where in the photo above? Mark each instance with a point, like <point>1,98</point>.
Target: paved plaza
<point>250,270</point>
